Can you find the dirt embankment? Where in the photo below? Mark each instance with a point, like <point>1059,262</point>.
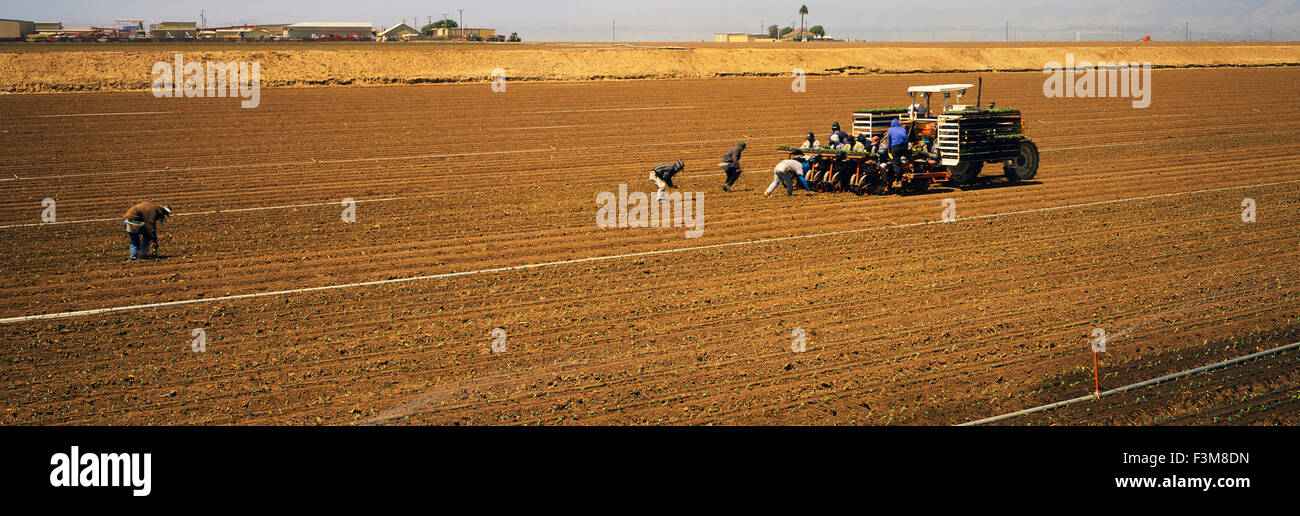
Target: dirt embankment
<point>118,70</point>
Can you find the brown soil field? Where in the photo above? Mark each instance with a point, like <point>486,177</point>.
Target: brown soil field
<point>1133,225</point>
<point>46,67</point>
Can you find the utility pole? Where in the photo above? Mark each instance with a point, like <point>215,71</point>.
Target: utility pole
<point>613,32</point>
<point>462,21</point>
<point>1008,30</point>
<point>1187,31</point>
<point>444,23</point>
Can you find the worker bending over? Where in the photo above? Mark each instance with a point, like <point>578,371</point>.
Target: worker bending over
<point>786,173</point>
<point>141,223</point>
<point>663,173</point>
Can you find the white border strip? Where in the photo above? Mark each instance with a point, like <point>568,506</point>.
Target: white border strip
<point>1126,388</point>
<point>60,315</point>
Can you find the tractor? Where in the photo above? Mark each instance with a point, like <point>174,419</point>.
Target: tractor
<point>963,137</point>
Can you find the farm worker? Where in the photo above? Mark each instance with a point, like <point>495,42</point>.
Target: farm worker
<point>920,146</point>
<point>731,165</point>
<point>880,146</point>
<point>811,142</point>
<point>663,173</point>
<point>924,149</point>
<point>835,131</point>
<point>918,109</point>
<point>861,144</point>
<point>835,142</point>
<point>897,148</point>
<point>141,223</point>
<point>786,173</point>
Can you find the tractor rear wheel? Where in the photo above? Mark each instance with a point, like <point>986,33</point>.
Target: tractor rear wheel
<point>1025,166</point>
<point>965,172</point>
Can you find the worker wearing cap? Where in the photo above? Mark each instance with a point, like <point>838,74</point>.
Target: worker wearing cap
<point>141,223</point>
<point>731,165</point>
<point>663,173</point>
<point>811,142</point>
<point>880,147</point>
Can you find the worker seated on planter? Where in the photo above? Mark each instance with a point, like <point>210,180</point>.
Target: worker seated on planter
<point>880,147</point>
<point>836,132</point>
<point>861,144</point>
<point>836,143</point>
<point>925,150</point>
<point>811,142</point>
<point>880,153</point>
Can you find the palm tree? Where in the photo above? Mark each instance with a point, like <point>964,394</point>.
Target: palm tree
<point>803,11</point>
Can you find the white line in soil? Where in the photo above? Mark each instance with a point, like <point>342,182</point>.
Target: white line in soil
<point>1126,388</point>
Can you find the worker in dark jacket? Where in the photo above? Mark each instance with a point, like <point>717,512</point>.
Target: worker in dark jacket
<point>837,134</point>
<point>731,165</point>
<point>663,173</point>
<point>141,223</point>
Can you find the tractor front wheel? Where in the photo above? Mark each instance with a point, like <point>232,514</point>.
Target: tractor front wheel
<point>965,172</point>
<point>1025,166</point>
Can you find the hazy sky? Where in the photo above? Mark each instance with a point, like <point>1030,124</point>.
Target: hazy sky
<point>682,20</point>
